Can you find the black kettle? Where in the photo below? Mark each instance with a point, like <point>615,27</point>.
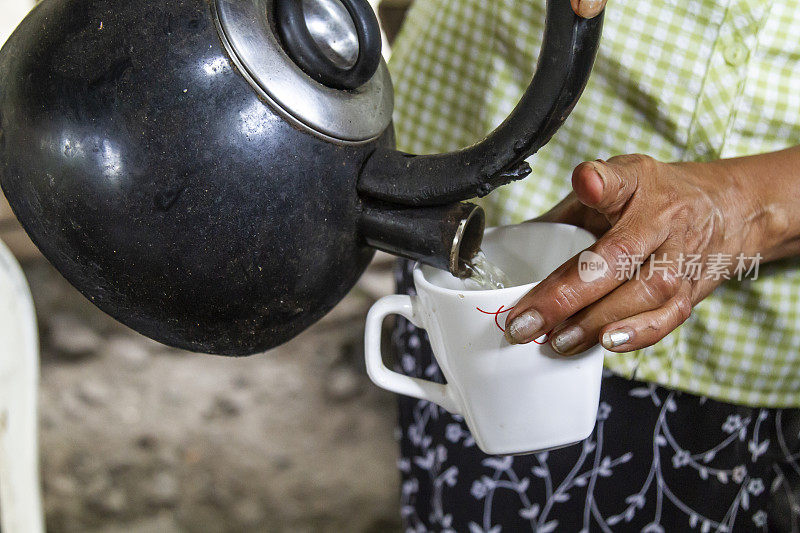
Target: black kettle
<point>216,173</point>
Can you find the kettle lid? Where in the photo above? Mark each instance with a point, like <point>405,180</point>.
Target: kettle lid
<point>316,61</point>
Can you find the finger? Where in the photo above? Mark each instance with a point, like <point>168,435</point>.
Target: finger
<point>569,289</point>
<point>608,186</point>
<point>648,328</point>
<point>588,8</point>
<point>571,211</point>
<point>567,211</point>
<point>657,283</point>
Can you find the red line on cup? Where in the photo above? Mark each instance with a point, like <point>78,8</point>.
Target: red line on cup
<point>497,322</point>
<point>496,315</point>
<point>546,338</point>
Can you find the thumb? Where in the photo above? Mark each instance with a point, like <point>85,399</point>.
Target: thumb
<point>605,186</point>
<point>588,8</point>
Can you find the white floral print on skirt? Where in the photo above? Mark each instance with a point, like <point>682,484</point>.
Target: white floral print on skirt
<point>658,461</point>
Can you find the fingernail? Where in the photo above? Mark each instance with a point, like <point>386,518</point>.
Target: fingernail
<point>524,327</point>
<point>588,8</point>
<point>612,339</point>
<point>597,169</point>
<point>567,339</point>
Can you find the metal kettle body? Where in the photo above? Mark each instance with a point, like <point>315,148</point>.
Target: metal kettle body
<point>141,156</point>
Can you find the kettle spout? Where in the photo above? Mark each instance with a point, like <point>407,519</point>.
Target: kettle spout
<point>445,237</point>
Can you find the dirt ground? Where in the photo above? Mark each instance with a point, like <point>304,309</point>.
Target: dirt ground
<point>138,437</point>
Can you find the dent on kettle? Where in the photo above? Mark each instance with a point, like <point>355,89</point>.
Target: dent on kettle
<point>216,177</point>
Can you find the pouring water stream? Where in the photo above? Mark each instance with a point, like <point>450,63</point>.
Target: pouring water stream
<point>485,274</point>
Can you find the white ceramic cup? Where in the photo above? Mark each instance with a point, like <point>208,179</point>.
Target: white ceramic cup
<point>515,399</point>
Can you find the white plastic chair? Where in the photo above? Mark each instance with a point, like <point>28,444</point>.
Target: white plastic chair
<point>11,13</point>
<point>20,496</point>
<point>20,493</point>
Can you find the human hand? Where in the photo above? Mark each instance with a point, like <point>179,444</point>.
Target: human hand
<point>588,8</point>
<point>653,214</point>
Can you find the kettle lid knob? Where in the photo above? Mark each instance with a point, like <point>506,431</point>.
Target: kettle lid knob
<point>317,62</point>
<point>336,42</point>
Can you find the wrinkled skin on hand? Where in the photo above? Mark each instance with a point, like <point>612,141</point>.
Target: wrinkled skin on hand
<point>641,209</point>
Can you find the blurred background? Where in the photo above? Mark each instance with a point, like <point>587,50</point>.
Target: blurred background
<point>139,437</point>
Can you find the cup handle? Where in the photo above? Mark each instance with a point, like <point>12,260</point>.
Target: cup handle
<point>388,379</point>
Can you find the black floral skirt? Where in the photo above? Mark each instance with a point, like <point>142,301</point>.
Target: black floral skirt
<point>658,460</point>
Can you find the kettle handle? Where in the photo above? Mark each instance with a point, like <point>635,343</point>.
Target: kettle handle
<point>565,62</point>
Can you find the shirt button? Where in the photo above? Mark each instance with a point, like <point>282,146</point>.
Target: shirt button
<point>735,54</point>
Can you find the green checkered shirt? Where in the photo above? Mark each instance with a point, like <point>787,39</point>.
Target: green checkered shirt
<point>674,79</point>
